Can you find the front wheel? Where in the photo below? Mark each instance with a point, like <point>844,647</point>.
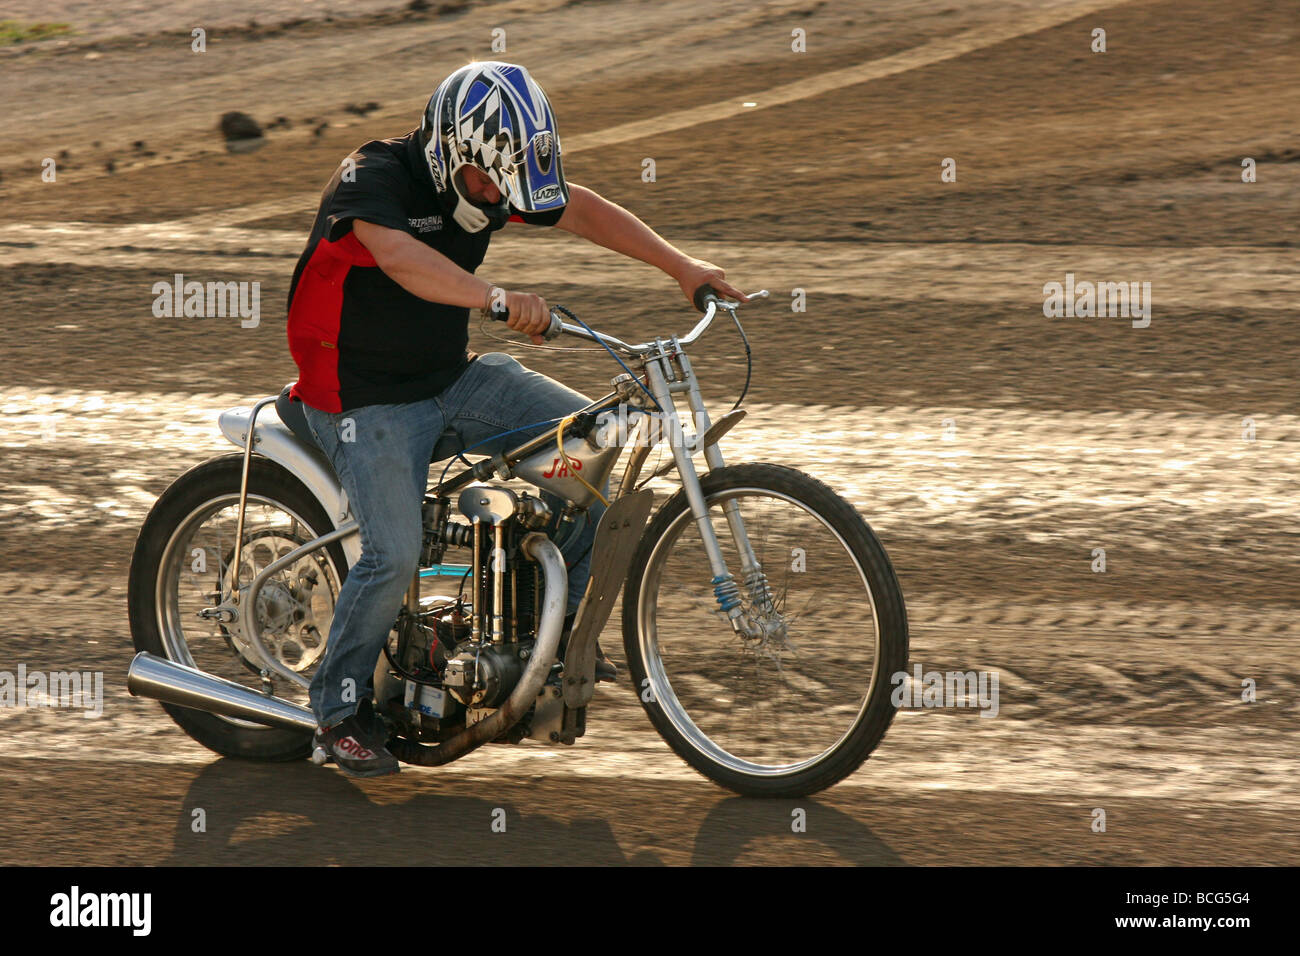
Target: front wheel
<point>799,696</point>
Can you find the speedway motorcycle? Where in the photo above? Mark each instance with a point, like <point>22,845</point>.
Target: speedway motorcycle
<point>762,620</point>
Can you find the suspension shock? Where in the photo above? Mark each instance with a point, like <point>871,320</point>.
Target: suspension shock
<point>760,591</point>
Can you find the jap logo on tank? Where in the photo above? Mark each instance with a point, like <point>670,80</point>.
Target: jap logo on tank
<point>546,193</point>
<point>560,468</point>
<point>544,148</point>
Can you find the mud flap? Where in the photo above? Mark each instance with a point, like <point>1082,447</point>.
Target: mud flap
<point>611,554</point>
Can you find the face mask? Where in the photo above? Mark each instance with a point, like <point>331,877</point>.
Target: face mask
<point>473,217</point>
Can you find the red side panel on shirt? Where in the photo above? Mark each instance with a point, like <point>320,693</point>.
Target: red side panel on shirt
<point>314,319</point>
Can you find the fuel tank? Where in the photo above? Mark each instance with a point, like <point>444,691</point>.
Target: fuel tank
<point>592,458</point>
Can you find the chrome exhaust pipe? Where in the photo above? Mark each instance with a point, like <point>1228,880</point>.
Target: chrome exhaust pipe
<point>160,679</point>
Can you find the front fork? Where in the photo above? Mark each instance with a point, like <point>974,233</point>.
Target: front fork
<point>664,384</point>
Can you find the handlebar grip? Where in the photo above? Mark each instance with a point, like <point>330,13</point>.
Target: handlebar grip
<point>503,315</point>
<point>702,296</point>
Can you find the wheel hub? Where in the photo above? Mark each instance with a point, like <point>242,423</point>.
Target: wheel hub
<point>286,618</point>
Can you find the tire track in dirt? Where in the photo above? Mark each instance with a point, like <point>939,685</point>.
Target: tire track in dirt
<point>1106,696</point>
<point>1198,277</point>
<point>649,28</point>
<point>1092,700</point>
<point>935,51</point>
<point>1150,486</point>
<point>1163,741</point>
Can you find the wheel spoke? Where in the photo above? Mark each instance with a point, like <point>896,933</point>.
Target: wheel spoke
<point>293,620</point>
<point>783,699</point>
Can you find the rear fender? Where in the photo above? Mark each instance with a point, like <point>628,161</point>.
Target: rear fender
<point>275,441</point>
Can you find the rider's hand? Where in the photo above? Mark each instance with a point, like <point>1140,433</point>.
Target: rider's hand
<point>696,272</point>
<point>528,314</point>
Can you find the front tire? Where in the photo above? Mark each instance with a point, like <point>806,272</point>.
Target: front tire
<point>181,563</point>
<point>832,626</point>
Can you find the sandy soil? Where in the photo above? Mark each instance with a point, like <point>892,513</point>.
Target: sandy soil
<point>1119,690</point>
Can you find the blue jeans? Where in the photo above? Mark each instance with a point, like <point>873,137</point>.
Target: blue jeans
<point>384,467</point>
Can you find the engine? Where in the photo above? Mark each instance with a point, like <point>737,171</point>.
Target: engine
<point>461,656</point>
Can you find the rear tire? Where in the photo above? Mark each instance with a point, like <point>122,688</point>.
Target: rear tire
<point>200,487</point>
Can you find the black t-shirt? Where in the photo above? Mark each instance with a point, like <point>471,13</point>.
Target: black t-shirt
<point>357,336</point>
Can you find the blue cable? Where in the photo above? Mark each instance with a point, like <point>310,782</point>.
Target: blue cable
<point>613,353</point>
<point>461,454</point>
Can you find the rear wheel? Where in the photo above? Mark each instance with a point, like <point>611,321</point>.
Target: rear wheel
<point>801,698</point>
<point>183,563</point>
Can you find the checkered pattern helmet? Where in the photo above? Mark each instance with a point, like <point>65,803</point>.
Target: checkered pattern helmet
<point>493,116</point>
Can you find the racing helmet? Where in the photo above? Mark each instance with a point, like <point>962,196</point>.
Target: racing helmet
<point>493,116</point>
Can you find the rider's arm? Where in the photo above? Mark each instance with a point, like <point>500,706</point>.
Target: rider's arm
<point>431,275</point>
<point>419,269</point>
<point>610,225</point>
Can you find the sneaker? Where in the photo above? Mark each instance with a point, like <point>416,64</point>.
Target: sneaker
<point>606,670</point>
<point>356,744</point>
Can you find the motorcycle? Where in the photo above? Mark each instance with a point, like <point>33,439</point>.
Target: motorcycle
<point>762,620</point>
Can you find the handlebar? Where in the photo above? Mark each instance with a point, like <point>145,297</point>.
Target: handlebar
<point>503,315</point>
<point>704,295</point>
<point>707,299</point>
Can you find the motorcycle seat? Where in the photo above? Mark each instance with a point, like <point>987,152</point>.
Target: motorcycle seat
<point>292,415</point>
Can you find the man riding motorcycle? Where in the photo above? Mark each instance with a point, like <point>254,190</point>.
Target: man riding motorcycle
<point>379,328</point>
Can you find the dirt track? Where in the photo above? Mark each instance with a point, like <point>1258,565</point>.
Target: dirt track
<point>1119,690</point>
